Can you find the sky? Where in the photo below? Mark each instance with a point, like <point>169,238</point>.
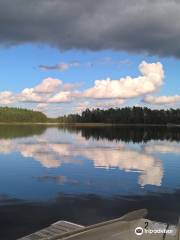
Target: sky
<point>63,56</point>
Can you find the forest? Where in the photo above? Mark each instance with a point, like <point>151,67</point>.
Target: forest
<point>21,115</point>
<point>126,115</point>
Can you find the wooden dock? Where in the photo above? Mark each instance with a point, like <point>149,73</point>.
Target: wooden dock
<point>123,228</point>
<point>56,229</point>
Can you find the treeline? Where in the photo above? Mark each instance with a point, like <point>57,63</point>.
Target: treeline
<point>21,115</point>
<point>127,115</point>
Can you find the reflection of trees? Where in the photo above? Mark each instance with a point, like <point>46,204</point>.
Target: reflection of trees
<point>135,134</point>
<point>16,131</point>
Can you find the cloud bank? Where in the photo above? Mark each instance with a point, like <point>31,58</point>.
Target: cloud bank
<point>143,26</point>
<point>104,93</point>
<point>52,90</point>
<point>162,100</point>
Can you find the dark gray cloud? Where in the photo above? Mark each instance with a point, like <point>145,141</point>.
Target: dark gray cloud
<point>150,26</point>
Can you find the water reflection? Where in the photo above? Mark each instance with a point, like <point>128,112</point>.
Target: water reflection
<point>135,134</point>
<point>48,174</point>
<point>136,164</point>
<point>162,147</point>
<point>16,131</point>
<point>54,148</point>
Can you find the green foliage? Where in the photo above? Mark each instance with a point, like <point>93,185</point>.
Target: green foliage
<point>127,115</point>
<point>8,115</point>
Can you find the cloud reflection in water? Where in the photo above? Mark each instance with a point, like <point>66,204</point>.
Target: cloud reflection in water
<point>52,150</point>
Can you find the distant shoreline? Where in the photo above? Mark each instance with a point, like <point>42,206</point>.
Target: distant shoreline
<point>90,124</point>
<point>131,117</point>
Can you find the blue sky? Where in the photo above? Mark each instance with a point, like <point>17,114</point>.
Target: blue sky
<point>20,66</point>
<point>51,62</point>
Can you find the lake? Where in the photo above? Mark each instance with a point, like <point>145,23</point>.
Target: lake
<point>86,175</point>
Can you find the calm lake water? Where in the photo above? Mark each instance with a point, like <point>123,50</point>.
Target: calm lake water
<point>86,175</point>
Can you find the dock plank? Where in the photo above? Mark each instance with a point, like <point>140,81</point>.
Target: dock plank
<point>56,229</point>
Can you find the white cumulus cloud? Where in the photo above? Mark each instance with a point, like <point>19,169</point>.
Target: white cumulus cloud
<point>102,104</point>
<point>45,92</point>
<point>128,87</point>
<point>6,97</point>
<point>162,100</point>
<point>29,95</point>
<point>64,96</point>
<point>48,85</point>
